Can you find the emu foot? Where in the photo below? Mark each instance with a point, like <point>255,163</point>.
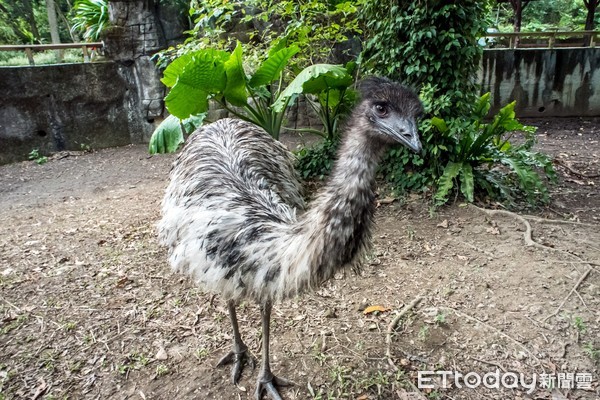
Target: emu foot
<point>267,382</point>
<point>238,357</point>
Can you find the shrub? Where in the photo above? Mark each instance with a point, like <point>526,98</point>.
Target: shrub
<point>315,162</point>
<point>483,157</point>
<point>420,42</point>
<point>198,77</point>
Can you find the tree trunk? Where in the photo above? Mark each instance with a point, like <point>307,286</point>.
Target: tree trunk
<point>591,6</point>
<point>518,16</point>
<point>518,7</point>
<point>53,23</point>
<point>30,17</point>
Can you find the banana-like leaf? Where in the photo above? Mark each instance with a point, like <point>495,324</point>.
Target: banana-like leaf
<point>278,44</point>
<point>167,136</point>
<point>235,89</point>
<point>467,182</point>
<point>446,181</point>
<point>270,69</point>
<point>314,79</point>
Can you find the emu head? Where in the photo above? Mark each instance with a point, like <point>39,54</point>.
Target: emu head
<point>391,112</point>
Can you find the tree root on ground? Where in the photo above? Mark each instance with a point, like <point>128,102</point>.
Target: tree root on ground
<point>530,242</point>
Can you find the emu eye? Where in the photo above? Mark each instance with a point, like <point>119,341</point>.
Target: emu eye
<point>381,110</point>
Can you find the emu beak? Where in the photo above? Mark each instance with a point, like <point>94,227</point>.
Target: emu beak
<point>405,131</point>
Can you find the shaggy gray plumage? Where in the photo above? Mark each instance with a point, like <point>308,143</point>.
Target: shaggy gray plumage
<point>234,218</point>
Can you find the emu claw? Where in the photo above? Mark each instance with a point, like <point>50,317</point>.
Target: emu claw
<point>238,359</point>
<point>267,384</point>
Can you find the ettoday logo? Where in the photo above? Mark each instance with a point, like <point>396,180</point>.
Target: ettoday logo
<point>506,380</point>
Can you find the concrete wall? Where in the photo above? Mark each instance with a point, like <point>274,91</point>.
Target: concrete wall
<point>67,107</point>
<point>545,83</point>
<point>64,107</point>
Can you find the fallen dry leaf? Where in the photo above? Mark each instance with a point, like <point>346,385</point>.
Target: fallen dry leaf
<point>372,309</point>
<point>443,224</point>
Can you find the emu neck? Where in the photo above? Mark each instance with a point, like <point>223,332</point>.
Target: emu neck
<point>337,226</point>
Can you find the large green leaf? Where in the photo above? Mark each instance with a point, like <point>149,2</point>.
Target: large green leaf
<point>270,69</point>
<point>446,181</point>
<point>314,79</point>
<point>184,100</point>
<point>440,124</point>
<point>482,107</point>
<point>235,89</point>
<point>467,183</point>
<point>202,76</point>
<point>176,68</point>
<point>167,136</point>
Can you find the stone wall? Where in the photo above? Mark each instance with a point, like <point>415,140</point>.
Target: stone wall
<point>545,82</point>
<point>134,36</point>
<point>93,105</point>
<point>68,107</point>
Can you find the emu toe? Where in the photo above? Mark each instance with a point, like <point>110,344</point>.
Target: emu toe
<point>268,384</point>
<point>238,358</point>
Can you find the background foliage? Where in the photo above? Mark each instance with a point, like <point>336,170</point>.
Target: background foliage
<point>316,26</point>
<point>543,15</point>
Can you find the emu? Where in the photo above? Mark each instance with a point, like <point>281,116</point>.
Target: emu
<point>234,220</point>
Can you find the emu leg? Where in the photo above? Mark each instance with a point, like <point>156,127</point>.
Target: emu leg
<point>239,355</point>
<point>266,380</point>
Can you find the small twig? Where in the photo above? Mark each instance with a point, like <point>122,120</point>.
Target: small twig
<point>394,323</point>
<point>579,281</point>
<point>489,363</point>
<point>582,301</point>
<point>498,331</point>
<point>12,305</point>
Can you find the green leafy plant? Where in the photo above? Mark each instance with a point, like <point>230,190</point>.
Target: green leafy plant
<point>171,133</point>
<point>483,156</point>
<point>317,27</point>
<point>579,325</point>
<point>316,162</point>
<point>204,75</point>
<point>328,91</point>
<point>35,155</point>
<point>592,351</point>
<point>420,42</point>
<point>90,17</point>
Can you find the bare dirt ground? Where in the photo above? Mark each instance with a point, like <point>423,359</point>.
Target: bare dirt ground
<point>90,309</point>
